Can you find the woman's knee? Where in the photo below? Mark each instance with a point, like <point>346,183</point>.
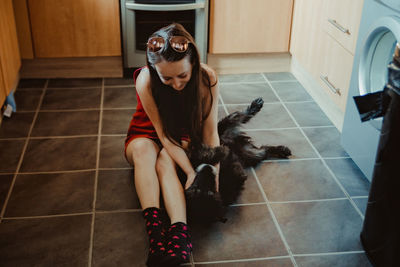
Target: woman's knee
<point>143,150</point>
<point>164,163</point>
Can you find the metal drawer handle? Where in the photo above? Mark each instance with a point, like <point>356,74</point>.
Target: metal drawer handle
<point>178,7</point>
<point>338,26</point>
<point>330,85</point>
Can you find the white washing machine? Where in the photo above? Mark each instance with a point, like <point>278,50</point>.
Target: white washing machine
<point>378,34</point>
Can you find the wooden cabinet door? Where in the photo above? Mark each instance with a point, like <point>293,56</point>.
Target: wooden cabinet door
<point>250,26</point>
<point>75,28</point>
<point>10,60</point>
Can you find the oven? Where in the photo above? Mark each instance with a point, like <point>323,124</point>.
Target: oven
<point>140,18</point>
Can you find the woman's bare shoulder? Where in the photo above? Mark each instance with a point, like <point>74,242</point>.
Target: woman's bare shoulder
<point>211,73</point>
<point>143,80</point>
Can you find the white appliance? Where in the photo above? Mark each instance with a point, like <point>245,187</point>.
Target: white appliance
<point>378,34</point>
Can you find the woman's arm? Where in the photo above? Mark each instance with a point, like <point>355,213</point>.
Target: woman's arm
<point>149,105</point>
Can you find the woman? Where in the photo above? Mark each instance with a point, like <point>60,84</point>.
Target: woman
<point>177,104</point>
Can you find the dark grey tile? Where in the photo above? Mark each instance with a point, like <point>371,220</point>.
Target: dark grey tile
<point>308,114</point>
<point>10,154</point>
<point>66,123</point>
<point>361,203</point>
<point>17,126</point>
<point>61,241</point>
<point>116,190</point>
<point>292,138</point>
<point>326,141</point>
<point>343,260</point>
<point>270,116</point>
<point>60,154</point>
<point>71,99</point>
<point>245,93</point>
<point>32,83</point>
<point>118,81</point>
<point>116,121</point>
<point>319,227</point>
<point>120,239</point>
<point>241,78</point>
<point>297,180</point>
<point>5,183</point>
<point>350,176</point>
<point>121,97</point>
<point>51,194</point>
<point>282,262</point>
<point>291,91</point>
<point>251,192</point>
<point>28,100</point>
<point>112,153</point>
<point>279,76</point>
<point>237,238</point>
<point>66,83</point>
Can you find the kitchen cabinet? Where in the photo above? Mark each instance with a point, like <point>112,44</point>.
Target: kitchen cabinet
<point>10,61</point>
<point>66,28</point>
<point>256,26</point>
<point>323,43</point>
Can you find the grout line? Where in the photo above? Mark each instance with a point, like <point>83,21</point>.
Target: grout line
<point>308,200</point>
<point>243,260</point>
<point>118,211</point>
<point>359,197</point>
<point>223,105</point>
<point>274,219</point>
<point>234,83</point>
<point>96,177</point>
<point>3,210</point>
<point>330,253</point>
<point>55,172</point>
<point>319,155</point>
<point>47,216</point>
<point>284,81</point>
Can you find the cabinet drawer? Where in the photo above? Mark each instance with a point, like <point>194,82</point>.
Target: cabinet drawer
<point>341,21</point>
<point>335,71</point>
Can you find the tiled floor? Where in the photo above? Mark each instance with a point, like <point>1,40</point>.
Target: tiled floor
<point>67,196</point>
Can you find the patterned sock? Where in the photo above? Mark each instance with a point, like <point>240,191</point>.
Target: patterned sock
<point>156,229</point>
<point>179,244</point>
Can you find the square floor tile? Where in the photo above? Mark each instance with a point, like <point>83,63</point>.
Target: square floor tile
<point>60,154</point>
<point>116,190</point>
<point>344,260</point>
<point>51,194</point>
<point>112,154</point>
<point>308,114</point>
<point>361,203</point>
<point>293,139</point>
<point>56,99</point>
<point>10,154</point>
<point>246,93</point>
<point>326,141</point>
<point>120,97</point>
<point>279,76</point>
<point>241,78</point>
<point>82,82</point>
<point>118,81</point>
<point>17,126</point>
<point>5,183</point>
<point>249,233</point>
<point>291,91</point>
<point>116,121</point>
<point>251,192</point>
<point>350,176</point>
<point>281,262</point>
<point>73,123</point>
<point>32,83</point>
<point>270,116</point>
<point>120,239</point>
<point>297,180</point>
<point>61,241</point>
<point>27,100</point>
<point>319,227</point>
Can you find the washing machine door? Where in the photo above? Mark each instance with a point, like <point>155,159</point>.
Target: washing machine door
<point>370,74</point>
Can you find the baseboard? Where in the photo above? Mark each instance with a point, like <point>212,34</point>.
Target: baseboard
<point>83,67</point>
<point>318,94</point>
<point>249,63</point>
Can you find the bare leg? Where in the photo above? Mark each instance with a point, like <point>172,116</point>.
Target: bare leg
<point>171,187</point>
<point>142,153</point>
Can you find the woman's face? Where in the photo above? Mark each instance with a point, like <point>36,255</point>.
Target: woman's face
<point>175,74</point>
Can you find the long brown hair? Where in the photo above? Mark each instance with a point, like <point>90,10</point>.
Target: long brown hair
<point>180,110</point>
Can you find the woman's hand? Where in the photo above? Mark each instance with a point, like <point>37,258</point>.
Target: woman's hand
<point>190,179</point>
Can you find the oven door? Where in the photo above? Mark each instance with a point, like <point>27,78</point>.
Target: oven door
<point>140,18</point>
